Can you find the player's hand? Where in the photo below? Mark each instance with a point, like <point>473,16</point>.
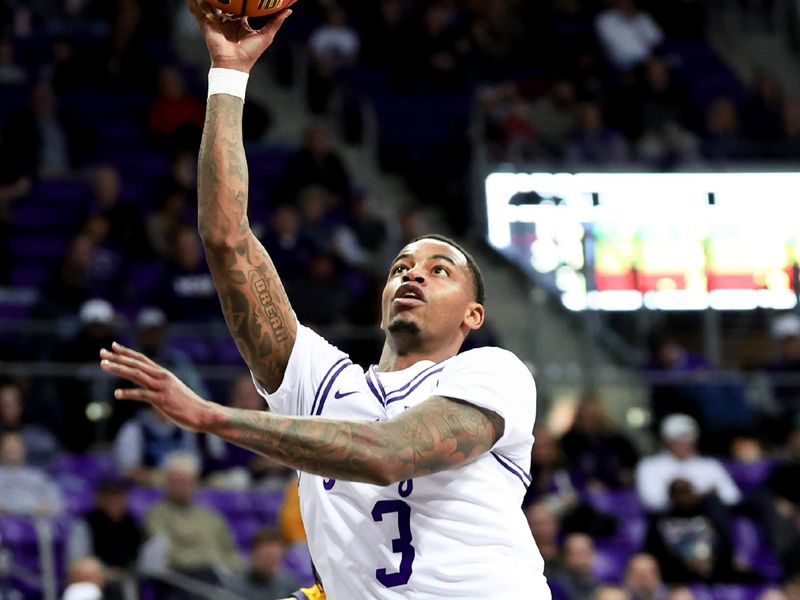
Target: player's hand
<point>232,43</point>
<point>158,387</point>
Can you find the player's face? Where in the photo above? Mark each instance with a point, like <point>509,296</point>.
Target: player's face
<point>429,290</point>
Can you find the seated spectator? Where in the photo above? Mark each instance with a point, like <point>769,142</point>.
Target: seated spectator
<point>786,332</point>
<point>41,445</point>
<point>679,459</point>
<point>266,576</point>
<point>145,443</point>
<point>322,279</point>
<point>610,592</point>
<point>175,118</point>
<point>47,141</point>
<point>187,291</point>
<point>232,466</point>
<point>555,116</point>
<point>628,34</point>
<point>85,580</point>
<point>773,594</point>
<point>114,536</point>
<point>575,579</point>
<point>545,528</point>
<point>315,163</point>
<point>551,479</point>
<point>782,511</point>
<point>593,142</point>
<point>166,222</point>
<point>33,490</point>
<point>666,114</point>
<point>691,539</point>
<point>792,587</point>
<point>199,542</point>
<point>680,593</point>
<point>334,45</point>
<point>125,229</point>
<point>723,137</point>
<point>643,578</point>
<point>97,330</point>
<point>602,456</point>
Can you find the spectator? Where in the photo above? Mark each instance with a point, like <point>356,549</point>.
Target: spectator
<point>575,579</point>
<point>786,332</point>
<point>97,330</point>
<point>666,114</point>
<point>602,456</point>
<point>723,132</point>
<point>146,441</point>
<point>47,141</point>
<point>545,528</point>
<point>288,247</point>
<point>315,163</point>
<point>679,459</point>
<point>628,34</point>
<point>233,466</point>
<point>266,576</point>
<point>773,594</point>
<point>691,540</point>
<point>125,229</point>
<point>164,225</point>
<point>593,142</point>
<point>114,535</point>
<point>782,512</point>
<point>72,282</point>
<point>332,46</point>
<point>199,541</point>
<point>175,118</point>
<point>610,592</point>
<point>551,479</point>
<point>186,292</point>
<point>33,491</point>
<point>555,116</point>
<point>85,580</point>
<point>763,111</point>
<point>322,279</point>
<point>643,578</point>
<point>792,587</point>
<point>680,593</point>
<point>41,445</point>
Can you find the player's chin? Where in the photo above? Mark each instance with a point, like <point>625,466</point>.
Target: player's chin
<point>403,324</point>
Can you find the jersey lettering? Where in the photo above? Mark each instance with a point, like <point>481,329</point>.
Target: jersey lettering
<point>401,544</point>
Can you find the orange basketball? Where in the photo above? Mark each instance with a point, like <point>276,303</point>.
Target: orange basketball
<point>251,8</point>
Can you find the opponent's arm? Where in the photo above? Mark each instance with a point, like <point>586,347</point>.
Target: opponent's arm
<point>437,434</point>
<point>253,299</point>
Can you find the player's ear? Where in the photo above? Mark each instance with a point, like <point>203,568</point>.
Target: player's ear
<point>474,316</point>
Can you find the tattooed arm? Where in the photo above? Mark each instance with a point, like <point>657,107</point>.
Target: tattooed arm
<point>253,299</point>
<point>437,434</point>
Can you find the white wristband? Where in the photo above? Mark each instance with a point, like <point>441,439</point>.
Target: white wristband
<point>227,81</point>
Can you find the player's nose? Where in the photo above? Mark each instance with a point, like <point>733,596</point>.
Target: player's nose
<point>413,275</point>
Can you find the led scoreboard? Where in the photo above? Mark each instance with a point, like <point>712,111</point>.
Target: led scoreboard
<point>677,241</point>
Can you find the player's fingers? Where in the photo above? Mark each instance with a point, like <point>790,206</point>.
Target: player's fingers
<point>274,24</point>
<point>139,394</point>
<point>149,368</point>
<point>135,375</point>
<point>125,351</point>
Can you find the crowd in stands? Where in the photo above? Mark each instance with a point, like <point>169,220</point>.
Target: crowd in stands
<point>99,129</point>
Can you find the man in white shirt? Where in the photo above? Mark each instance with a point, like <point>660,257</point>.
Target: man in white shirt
<point>627,34</point>
<point>679,460</point>
<point>412,471</point>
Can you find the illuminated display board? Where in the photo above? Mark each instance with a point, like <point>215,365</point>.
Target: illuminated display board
<point>677,241</point>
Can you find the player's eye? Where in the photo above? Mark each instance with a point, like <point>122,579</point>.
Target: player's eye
<point>399,269</point>
<point>440,270</point>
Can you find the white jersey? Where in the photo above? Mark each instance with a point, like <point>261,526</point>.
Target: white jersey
<point>459,533</point>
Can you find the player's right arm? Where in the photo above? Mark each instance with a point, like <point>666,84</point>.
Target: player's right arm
<point>252,296</point>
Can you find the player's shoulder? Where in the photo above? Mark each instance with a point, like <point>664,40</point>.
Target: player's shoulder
<point>492,355</point>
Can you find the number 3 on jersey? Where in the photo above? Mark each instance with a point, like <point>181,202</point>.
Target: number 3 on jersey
<point>401,544</point>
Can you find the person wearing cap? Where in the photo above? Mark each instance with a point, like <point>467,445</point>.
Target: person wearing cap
<point>85,580</point>
<point>679,460</point>
<point>786,332</point>
<point>97,329</point>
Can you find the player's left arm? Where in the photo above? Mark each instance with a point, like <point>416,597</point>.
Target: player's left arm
<point>437,434</point>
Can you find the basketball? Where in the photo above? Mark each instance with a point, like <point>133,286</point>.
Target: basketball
<point>251,8</point>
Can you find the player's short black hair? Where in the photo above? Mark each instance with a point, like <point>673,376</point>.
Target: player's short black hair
<point>479,286</point>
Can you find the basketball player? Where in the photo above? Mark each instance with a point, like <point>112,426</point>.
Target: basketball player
<point>413,471</point>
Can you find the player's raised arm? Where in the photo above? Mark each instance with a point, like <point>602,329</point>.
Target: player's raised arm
<point>252,296</point>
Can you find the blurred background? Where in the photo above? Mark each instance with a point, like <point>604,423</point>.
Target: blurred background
<point>624,171</point>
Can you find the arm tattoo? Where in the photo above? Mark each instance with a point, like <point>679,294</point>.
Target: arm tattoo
<point>252,296</point>
<point>438,434</point>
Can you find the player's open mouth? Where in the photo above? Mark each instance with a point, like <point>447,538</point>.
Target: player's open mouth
<point>409,295</point>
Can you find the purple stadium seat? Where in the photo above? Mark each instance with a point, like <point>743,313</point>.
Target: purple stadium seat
<point>736,592</point>
<point>749,475</point>
<point>89,467</point>
<point>751,546</point>
<point>610,562</point>
<point>298,560</point>
<point>623,503</point>
<point>266,504</point>
<point>29,275</point>
<point>231,503</point>
<point>244,530</point>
